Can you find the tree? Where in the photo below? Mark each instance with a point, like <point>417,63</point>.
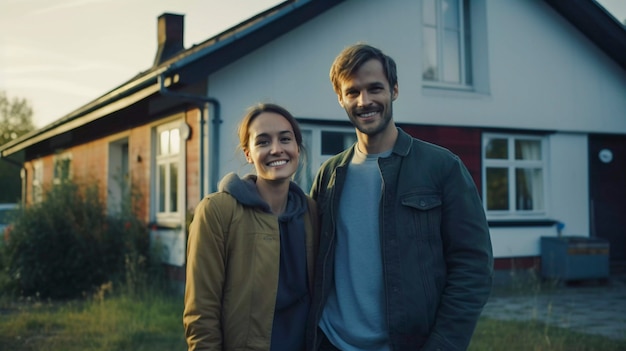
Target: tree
<point>16,119</point>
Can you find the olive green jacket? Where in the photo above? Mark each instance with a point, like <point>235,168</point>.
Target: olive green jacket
<point>233,257</point>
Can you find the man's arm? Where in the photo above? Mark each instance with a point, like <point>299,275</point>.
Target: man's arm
<point>469,260</point>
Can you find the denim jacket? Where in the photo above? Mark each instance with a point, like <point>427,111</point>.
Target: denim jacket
<point>435,242</point>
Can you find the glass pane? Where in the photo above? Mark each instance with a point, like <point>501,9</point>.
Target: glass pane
<point>527,149</point>
<point>430,55</point>
<point>174,141</point>
<point>173,187</point>
<point>164,139</point>
<point>450,9</point>
<point>451,58</point>
<point>304,175</point>
<point>528,189</point>
<point>429,14</point>
<point>497,149</point>
<point>161,189</point>
<point>335,142</point>
<point>497,189</point>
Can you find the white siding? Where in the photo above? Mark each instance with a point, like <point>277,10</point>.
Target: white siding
<point>542,74</point>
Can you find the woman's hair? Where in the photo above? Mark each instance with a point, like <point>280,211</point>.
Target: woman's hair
<point>353,57</point>
<point>254,112</point>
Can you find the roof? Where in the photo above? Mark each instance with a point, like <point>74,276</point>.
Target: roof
<point>597,24</point>
<point>216,52</point>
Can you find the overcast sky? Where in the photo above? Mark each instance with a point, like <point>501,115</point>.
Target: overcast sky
<point>62,54</point>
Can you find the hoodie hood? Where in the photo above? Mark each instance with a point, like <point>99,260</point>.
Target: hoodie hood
<point>245,192</point>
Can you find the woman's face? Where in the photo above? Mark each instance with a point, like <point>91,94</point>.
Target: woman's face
<point>272,147</point>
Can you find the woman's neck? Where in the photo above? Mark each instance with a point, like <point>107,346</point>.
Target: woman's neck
<point>274,193</point>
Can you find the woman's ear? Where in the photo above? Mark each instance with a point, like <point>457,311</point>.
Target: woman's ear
<point>247,154</point>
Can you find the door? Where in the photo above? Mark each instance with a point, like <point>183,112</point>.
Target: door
<point>607,178</point>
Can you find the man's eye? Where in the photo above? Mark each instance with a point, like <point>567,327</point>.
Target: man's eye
<point>262,142</point>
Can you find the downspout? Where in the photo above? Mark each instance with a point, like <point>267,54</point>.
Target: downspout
<point>203,103</point>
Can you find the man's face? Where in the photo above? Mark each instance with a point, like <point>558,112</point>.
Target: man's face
<point>367,98</point>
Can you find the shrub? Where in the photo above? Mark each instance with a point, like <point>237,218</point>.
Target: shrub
<point>66,246</point>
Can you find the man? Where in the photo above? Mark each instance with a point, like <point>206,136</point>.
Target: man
<point>405,259</point>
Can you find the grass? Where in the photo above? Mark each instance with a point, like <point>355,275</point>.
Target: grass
<point>152,321</point>
<point>496,335</point>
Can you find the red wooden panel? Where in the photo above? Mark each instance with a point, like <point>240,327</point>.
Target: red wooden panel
<point>464,142</point>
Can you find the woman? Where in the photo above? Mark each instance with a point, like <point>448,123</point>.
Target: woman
<point>251,247</point>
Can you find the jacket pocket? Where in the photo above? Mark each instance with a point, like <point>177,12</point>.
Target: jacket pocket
<point>425,212</point>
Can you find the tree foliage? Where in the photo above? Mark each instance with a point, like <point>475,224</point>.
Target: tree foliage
<point>16,118</point>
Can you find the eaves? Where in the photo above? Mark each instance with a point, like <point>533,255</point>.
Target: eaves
<point>189,66</point>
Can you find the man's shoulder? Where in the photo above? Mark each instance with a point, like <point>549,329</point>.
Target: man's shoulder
<point>336,160</point>
<point>424,147</point>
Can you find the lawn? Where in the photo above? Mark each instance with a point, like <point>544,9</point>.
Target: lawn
<point>153,322</point>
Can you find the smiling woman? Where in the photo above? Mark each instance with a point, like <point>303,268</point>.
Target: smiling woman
<point>251,246</point>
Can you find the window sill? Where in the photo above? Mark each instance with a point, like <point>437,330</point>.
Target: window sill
<point>456,91</point>
<point>522,223</point>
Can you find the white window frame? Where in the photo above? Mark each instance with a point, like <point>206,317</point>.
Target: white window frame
<point>511,164</point>
<point>169,216</point>
<point>312,140</point>
<point>464,49</point>
<point>62,157</point>
<point>37,185</point>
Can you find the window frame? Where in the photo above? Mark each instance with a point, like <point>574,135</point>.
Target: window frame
<point>312,140</point>
<point>37,183</point>
<point>58,178</point>
<point>464,47</point>
<point>511,164</point>
<point>168,216</point>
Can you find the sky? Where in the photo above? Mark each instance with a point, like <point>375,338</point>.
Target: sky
<point>62,54</point>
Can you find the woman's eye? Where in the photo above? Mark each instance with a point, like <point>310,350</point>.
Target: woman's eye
<point>285,140</point>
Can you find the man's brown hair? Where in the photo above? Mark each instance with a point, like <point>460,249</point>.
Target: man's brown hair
<point>353,57</point>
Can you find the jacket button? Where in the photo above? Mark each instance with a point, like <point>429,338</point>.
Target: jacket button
<point>422,203</point>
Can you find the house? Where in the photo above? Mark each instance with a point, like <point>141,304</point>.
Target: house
<point>530,94</point>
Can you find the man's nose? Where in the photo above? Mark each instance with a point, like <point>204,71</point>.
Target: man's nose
<point>364,99</point>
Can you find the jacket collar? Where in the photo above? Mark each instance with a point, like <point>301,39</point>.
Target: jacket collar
<point>401,147</point>
<point>403,143</point>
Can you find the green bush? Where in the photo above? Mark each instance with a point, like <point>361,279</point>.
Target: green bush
<point>66,246</point>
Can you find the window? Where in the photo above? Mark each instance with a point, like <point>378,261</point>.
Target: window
<point>320,143</point>
<point>446,42</point>
<point>514,173</point>
<point>168,147</point>
<point>37,195</point>
<point>62,168</point>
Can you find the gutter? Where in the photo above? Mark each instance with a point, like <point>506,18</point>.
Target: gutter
<point>202,102</point>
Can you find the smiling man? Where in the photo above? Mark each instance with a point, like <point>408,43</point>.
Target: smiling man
<point>405,260</point>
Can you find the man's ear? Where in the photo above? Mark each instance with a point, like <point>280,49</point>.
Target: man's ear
<point>394,92</point>
<point>247,154</point>
<point>339,100</point>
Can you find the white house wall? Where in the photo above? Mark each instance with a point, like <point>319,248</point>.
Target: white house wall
<point>569,182</point>
<point>542,74</point>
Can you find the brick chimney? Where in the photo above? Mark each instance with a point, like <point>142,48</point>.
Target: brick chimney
<point>170,28</point>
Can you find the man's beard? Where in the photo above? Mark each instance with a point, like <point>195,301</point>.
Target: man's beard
<point>366,128</point>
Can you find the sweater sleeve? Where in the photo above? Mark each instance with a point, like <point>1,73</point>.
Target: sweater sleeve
<point>205,277</point>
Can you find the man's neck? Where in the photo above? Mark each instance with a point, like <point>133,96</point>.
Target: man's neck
<point>379,143</point>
